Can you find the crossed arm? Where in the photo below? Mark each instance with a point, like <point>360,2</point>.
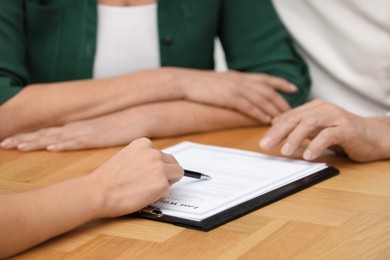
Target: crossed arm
<point>155,103</point>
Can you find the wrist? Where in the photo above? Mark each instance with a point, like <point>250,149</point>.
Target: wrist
<point>381,128</point>
<point>385,142</point>
<point>176,80</point>
<point>135,122</point>
<point>96,196</point>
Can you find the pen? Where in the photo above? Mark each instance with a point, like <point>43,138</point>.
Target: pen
<point>196,175</point>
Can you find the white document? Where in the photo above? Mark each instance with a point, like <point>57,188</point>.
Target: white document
<point>237,176</point>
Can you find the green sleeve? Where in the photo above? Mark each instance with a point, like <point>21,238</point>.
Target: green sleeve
<point>254,40</point>
<point>13,72</point>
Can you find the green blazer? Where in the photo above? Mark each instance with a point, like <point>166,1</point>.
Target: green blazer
<point>55,40</point>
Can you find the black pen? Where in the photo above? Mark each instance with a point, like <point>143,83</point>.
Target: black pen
<point>196,175</point>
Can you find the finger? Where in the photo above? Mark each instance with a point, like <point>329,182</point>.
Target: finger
<point>71,145</point>
<point>33,142</point>
<point>318,105</point>
<point>30,146</point>
<point>264,97</point>
<point>258,101</point>
<point>247,107</point>
<point>273,108</point>
<point>298,134</point>
<point>165,195</point>
<point>307,107</point>
<point>279,131</point>
<point>309,113</point>
<point>41,142</point>
<point>143,141</point>
<point>14,141</point>
<point>296,111</point>
<point>279,103</point>
<point>277,83</point>
<point>267,100</point>
<point>169,158</point>
<point>174,173</point>
<point>8,143</point>
<point>262,103</point>
<point>325,139</point>
<point>311,108</point>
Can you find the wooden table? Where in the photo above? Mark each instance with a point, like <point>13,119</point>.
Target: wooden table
<point>345,217</point>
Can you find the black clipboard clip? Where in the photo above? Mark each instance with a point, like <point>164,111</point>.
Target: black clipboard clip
<point>152,210</point>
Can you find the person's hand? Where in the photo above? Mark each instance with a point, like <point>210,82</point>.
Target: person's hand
<point>327,125</point>
<point>153,120</point>
<point>252,94</point>
<point>138,175</point>
<point>109,130</point>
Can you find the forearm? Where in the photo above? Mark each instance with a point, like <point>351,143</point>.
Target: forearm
<point>151,120</point>
<point>184,117</point>
<point>136,176</point>
<point>43,105</point>
<point>29,218</point>
<point>254,95</point>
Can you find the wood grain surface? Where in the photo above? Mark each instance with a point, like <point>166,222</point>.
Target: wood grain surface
<point>345,217</point>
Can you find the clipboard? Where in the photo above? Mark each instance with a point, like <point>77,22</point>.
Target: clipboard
<point>156,213</point>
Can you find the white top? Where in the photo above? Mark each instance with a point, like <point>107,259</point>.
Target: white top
<point>347,46</point>
<point>127,40</point>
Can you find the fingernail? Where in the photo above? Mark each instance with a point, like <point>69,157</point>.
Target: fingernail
<point>23,147</point>
<point>6,143</point>
<point>52,148</point>
<point>266,143</point>
<point>307,155</point>
<point>267,119</point>
<point>293,87</point>
<point>286,149</point>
